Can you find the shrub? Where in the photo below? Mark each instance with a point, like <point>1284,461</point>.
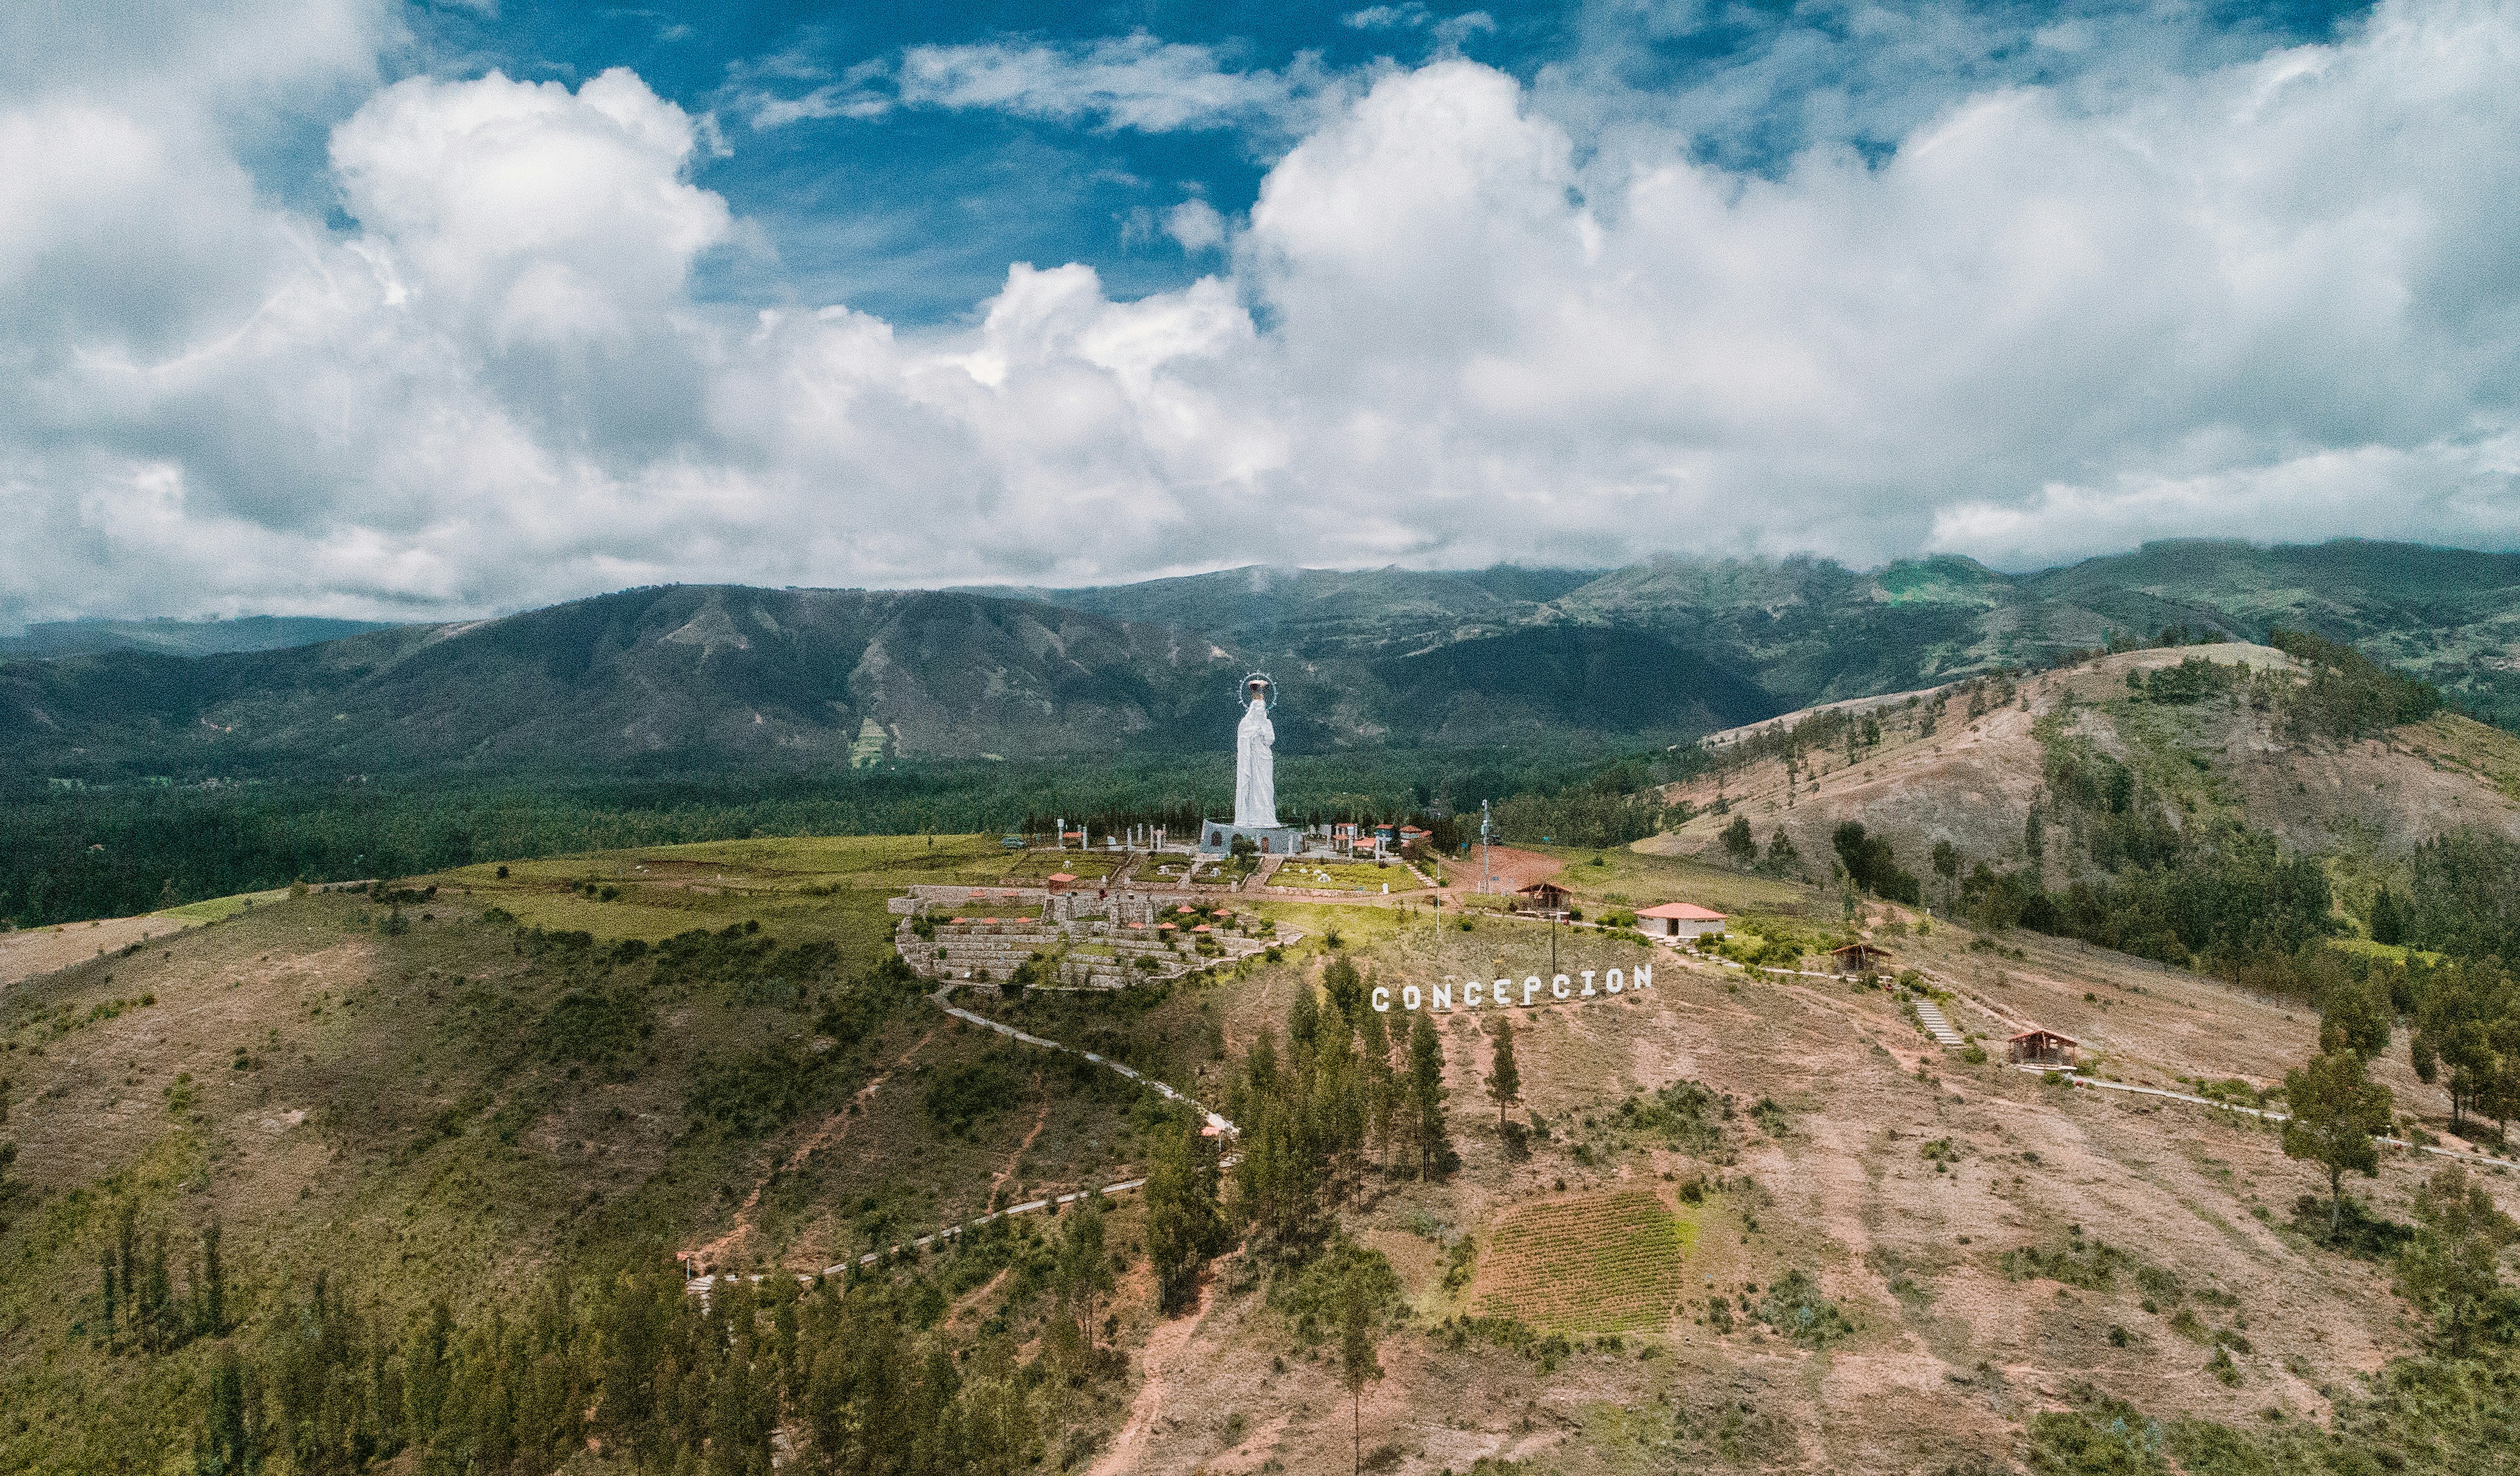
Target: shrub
<point>595,1027</point>
<point>965,1094</point>
<point>2089,1264</point>
<point>759,1092</point>
<point>1794,1307</point>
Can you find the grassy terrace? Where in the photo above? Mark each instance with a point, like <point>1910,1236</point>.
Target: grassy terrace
<point>1625,877</point>
<point>1345,876</point>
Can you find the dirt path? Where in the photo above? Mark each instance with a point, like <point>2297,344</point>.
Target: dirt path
<point>972,1298</point>
<point>835,1128</point>
<point>1164,1348</point>
<point>1014,1160</point>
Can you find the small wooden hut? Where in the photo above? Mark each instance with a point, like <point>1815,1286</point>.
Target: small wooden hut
<point>1860,959</point>
<point>1544,896</point>
<point>2042,1048</point>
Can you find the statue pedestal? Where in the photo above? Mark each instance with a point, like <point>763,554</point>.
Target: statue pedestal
<point>1216,839</point>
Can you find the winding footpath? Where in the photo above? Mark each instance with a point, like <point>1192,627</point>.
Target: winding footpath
<point>1218,1124</point>
<point>698,1287</point>
<point>2264,1114</point>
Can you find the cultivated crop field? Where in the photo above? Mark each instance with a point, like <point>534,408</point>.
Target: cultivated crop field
<point>1595,1263</point>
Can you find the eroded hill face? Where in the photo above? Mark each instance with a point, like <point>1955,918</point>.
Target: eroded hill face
<point>1968,766</point>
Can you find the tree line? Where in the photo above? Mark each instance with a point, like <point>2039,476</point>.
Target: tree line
<point>114,850</point>
<point>860,1366</point>
<point>2449,1264</point>
<point>629,1364</point>
<point>1339,1097</point>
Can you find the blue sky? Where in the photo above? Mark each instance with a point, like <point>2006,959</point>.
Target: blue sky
<point>912,212</point>
<point>375,308</point>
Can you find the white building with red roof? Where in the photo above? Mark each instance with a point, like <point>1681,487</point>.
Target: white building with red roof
<point>1679,920</point>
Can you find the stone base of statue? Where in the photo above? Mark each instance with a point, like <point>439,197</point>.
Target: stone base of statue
<point>1216,839</point>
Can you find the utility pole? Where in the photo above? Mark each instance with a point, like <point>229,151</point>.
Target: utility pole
<point>1487,866</point>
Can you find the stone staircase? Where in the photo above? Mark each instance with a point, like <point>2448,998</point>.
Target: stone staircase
<point>1930,1015</point>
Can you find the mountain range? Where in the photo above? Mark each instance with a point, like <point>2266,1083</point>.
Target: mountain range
<point>704,676</point>
<point>178,638</point>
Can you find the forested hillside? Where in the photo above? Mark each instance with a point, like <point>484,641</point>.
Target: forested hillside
<point>130,779</point>
<point>707,678</point>
<point>2224,807</point>
<point>179,637</point>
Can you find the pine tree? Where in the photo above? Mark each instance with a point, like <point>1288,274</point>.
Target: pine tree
<point>1303,1021</point>
<point>424,1378</point>
<point>1345,986</point>
<point>2452,1019</point>
<point>1183,1225</point>
<point>2336,1112</point>
<point>8,1156</point>
<point>1426,1097</point>
<point>2388,918</point>
<point>2454,1266</point>
<point>1381,1100</point>
<point>157,1295</point>
<point>2356,1017</point>
<point>1357,1364</point>
<point>1084,1271</point>
<point>224,1447</point>
<point>997,1429</point>
<point>1504,1079</point>
<point>126,1251</point>
<point>1336,1119</point>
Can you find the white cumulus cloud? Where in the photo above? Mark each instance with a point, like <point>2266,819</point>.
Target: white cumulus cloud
<point>2275,298</point>
<point>1135,81</point>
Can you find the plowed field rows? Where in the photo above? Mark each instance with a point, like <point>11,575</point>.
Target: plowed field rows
<point>1600,1263</point>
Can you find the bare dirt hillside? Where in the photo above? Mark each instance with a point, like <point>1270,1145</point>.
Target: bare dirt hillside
<point>1967,764</point>
<point>1924,1196</point>
<point>1763,1221</point>
<point>29,952</point>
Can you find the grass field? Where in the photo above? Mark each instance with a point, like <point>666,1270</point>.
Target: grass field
<point>217,909</point>
<point>2392,953</point>
<point>1030,868</point>
<point>804,887</point>
<point>1346,875</point>
<point>1627,878</point>
<point>2458,742</point>
<point>1597,1263</point>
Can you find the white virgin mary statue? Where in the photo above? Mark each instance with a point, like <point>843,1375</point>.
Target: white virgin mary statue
<point>1255,779</point>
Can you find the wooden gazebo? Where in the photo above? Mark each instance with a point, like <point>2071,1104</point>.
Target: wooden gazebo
<point>2042,1048</point>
